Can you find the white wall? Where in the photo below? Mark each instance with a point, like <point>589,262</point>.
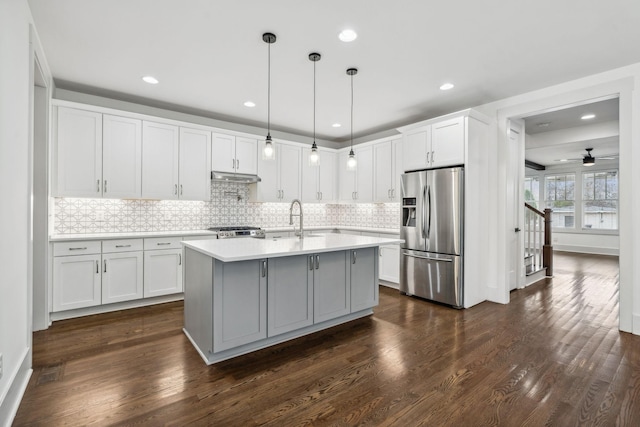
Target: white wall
<point>15,333</point>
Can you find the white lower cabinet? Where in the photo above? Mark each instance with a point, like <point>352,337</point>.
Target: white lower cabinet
<point>290,294</point>
<point>330,286</point>
<point>162,272</point>
<point>121,276</point>
<point>390,263</point>
<point>239,303</point>
<point>76,281</point>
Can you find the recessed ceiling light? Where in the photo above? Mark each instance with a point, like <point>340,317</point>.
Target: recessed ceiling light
<point>543,124</point>
<point>563,160</point>
<point>588,116</point>
<point>446,86</point>
<point>250,104</point>
<point>151,80</point>
<point>336,125</point>
<point>347,35</point>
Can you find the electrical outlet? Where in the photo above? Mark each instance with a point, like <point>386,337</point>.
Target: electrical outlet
<point>0,365</point>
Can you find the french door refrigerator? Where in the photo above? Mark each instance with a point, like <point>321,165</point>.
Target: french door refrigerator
<point>431,257</point>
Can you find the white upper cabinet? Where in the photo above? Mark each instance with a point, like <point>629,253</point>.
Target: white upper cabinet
<point>234,154</point>
<point>434,145</point>
<point>77,156</point>
<point>387,159</point>
<point>160,150</point>
<point>280,177</point>
<point>318,181</point>
<point>121,157</point>
<point>356,186</point>
<point>195,164</point>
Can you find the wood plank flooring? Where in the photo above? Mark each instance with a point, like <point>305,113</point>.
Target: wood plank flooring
<point>554,356</point>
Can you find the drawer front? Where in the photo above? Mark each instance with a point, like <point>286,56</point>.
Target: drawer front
<point>121,245</point>
<point>162,243</point>
<point>76,248</point>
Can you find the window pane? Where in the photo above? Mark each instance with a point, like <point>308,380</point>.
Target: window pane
<point>587,186</point>
<point>550,191</point>
<point>600,185</point>
<point>563,215</point>
<point>570,187</point>
<point>561,188</point>
<point>612,185</point>
<point>600,214</point>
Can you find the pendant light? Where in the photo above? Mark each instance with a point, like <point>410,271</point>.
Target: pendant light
<point>314,156</point>
<point>352,163</point>
<point>268,153</point>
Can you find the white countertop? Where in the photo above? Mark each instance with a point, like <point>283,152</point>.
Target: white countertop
<point>228,250</point>
<point>128,235</point>
<point>338,227</point>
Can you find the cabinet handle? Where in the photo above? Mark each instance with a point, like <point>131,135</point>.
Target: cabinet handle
<point>104,186</point>
<point>97,267</point>
<point>317,261</point>
<point>98,185</point>
<point>237,164</point>
<point>433,156</point>
<point>393,193</point>
<point>233,163</point>
<point>123,246</point>
<point>321,195</point>
<point>181,190</point>
<point>179,259</point>
<point>105,265</point>
<point>355,255</point>
<point>264,268</point>
<point>78,249</point>
<point>310,262</point>
<point>175,189</point>
<point>163,243</point>
<point>356,195</point>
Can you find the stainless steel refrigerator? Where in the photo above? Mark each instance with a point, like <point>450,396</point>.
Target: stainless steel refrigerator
<point>431,257</point>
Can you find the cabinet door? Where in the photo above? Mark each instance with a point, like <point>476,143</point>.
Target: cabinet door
<point>396,179</point>
<point>121,157</point>
<point>223,153</point>
<point>289,164</point>
<point>76,282</point>
<point>330,286</point>
<point>121,276</point>
<point>159,161</point>
<point>447,142</point>
<point>162,272</point>
<point>267,190</point>
<point>239,303</point>
<point>310,175</point>
<point>364,278</point>
<point>328,176</point>
<point>390,263</point>
<point>246,155</point>
<point>78,153</point>
<point>364,173</point>
<point>383,172</point>
<point>290,294</point>
<point>346,179</point>
<point>195,164</point>
<point>417,145</point>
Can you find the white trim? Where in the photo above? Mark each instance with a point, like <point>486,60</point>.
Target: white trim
<point>99,309</point>
<point>10,401</point>
<point>587,250</point>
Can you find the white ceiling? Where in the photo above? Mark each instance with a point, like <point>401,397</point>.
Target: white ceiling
<point>209,55</point>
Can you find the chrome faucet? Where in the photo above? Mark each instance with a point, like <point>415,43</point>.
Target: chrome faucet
<point>291,215</point>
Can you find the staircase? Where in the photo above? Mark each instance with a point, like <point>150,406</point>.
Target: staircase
<point>538,252</point>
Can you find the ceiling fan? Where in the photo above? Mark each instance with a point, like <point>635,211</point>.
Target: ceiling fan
<point>588,159</point>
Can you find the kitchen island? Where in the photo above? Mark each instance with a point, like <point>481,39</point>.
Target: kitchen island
<point>242,295</point>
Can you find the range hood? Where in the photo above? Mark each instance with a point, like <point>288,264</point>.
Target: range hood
<point>234,177</point>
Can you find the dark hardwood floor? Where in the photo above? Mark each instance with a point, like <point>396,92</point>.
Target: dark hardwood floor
<point>554,356</point>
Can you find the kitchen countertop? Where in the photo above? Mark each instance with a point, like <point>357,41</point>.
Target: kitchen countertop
<point>340,227</point>
<point>228,250</point>
<point>128,235</point>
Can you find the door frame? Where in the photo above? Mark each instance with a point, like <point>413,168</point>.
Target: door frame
<point>515,211</point>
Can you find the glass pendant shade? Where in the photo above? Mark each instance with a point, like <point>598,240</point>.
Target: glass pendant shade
<point>352,163</point>
<point>314,156</point>
<point>268,152</point>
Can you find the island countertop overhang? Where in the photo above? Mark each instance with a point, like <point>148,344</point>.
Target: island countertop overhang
<point>229,250</point>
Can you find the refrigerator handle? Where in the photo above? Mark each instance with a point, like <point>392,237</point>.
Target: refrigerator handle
<point>429,200</point>
<point>424,210</point>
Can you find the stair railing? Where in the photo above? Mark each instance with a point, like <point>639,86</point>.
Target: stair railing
<point>537,239</point>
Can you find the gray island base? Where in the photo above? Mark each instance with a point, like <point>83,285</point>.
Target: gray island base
<point>242,295</point>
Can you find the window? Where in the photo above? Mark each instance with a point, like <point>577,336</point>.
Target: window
<point>559,196</point>
<point>600,200</point>
<point>532,191</point>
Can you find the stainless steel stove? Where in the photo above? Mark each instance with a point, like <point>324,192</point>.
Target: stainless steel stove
<point>238,231</point>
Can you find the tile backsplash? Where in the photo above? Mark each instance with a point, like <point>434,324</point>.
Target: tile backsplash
<point>229,205</point>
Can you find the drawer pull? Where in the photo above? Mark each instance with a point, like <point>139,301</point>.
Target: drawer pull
<point>97,267</point>
<point>179,259</point>
<point>163,243</point>
<point>78,249</point>
<point>123,246</point>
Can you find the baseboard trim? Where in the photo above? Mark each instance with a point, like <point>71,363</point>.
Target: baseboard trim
<point>10,402</point>
<point>107,308</point>
<point>587,250</point>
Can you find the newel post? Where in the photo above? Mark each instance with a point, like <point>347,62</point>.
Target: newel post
<point>547,248</point>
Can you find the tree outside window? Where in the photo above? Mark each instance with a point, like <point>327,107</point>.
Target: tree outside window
<point>560,197</point>
<point>600,200</point>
